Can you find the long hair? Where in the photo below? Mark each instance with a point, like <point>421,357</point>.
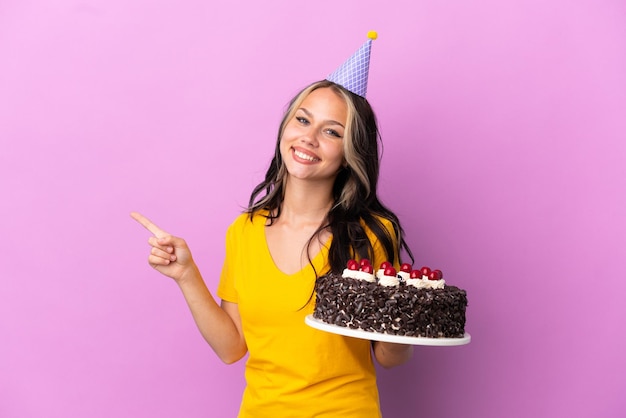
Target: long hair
<point>356,201</point>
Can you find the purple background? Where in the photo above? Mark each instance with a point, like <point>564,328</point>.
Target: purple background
<point>504,127</point>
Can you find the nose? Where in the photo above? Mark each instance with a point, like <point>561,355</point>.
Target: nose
<point>309,137</point>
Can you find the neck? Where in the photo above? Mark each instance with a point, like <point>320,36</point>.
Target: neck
<point>307,201</point>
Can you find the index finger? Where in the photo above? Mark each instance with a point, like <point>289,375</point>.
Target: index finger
<point>158,232</point>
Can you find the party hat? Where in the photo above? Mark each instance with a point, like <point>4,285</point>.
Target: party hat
<point>352,74</point>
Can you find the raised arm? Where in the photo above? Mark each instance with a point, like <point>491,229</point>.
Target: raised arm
<point>219,325</point>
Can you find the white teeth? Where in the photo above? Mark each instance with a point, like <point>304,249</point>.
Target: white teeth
<point>304,156</point>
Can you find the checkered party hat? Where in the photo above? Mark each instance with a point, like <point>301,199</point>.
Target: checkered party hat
<point>353,73</point>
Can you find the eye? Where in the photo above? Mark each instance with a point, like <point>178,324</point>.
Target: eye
<point>333,132</point>
<point>302,120</point>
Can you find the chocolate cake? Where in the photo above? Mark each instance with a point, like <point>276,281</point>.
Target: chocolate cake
<point>414,303</point>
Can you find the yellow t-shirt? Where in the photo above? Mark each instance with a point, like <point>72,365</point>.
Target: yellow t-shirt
<point>292,370</point>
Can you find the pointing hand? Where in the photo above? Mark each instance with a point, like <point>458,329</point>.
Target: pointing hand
<point>169,255</point>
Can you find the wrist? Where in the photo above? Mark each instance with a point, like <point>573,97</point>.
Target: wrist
<point>189,275</point>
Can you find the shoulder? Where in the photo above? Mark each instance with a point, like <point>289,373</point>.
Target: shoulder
<point>244,222</point>
<point>387,224</point>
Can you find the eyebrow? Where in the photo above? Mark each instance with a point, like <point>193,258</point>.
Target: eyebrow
<point>330,121</point>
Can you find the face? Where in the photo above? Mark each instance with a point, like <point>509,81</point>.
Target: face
<point>312,142</point>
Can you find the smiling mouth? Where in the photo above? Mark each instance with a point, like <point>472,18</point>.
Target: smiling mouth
<point>304,156</point>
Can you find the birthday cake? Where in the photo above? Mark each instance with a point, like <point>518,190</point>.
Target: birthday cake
<point>413,303</point>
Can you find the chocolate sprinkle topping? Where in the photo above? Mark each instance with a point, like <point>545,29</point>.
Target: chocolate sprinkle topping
<point>402,310</point>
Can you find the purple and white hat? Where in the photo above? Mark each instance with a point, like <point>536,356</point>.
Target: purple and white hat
<point>352,74</point>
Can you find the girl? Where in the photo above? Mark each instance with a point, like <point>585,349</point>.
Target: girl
<point>316,209</point>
